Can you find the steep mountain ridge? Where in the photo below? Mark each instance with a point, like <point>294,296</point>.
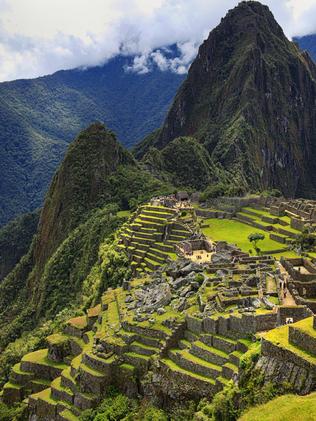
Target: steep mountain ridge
<point>249,99</point>
<point>39,117</point>
<point>78,186</point>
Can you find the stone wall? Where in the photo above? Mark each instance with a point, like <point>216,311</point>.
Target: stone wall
<point>146,331</point>
<point>41,371</point>
<point>301,339</point>
<point>269,349</point>
<point>194,324</point>
<point>289,264</point>
<point>172,341</point>
<point>213,214</point>
<point>170,388</point>
<point>281,370</point>
<point>297,313</point>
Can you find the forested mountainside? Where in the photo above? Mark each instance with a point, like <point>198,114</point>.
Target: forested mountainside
<point>39,118</point>
<point>96,179</point>
<point>15,240</point>
<point>249,103</point>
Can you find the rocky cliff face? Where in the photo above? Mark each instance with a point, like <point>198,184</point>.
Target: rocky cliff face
<point>250,99</point>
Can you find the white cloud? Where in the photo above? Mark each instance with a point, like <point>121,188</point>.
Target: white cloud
<point>41,36</point>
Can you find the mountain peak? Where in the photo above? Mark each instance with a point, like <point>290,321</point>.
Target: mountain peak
<point>249,98</point>
<point>251,17</point>
<point>79,185</point>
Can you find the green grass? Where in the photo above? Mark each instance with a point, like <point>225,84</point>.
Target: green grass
<point>91,371</point>
<point>128,367</point>
<point>306,325</point>
<point>66,373</point>
<point>11,385</point>
<point>17,369</point>
<point>79,322</point>
<point>124,214</point>
<point>274,300</point>
<point>135,355</point>
<point>141,345</point>
<point>280,337</point>
<point>288,254</point>
<point>260,212</point>
<point>69,415</point>
<point>199,361</point>
<point>284,408</point>
<point>237,233</point>
<point>45,395</point>
<point>211,349</point>
<point>40,357</point>
<point>174,367</point>
<point>57,338</point>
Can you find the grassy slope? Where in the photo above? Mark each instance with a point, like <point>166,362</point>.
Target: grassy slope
<point>284,408</point>
<point>237,233</point>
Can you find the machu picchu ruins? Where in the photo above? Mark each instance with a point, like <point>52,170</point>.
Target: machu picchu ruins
<point>158,211</point>
<point>193,308</point>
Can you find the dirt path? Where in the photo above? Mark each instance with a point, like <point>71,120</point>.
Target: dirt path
<point>288,300</point>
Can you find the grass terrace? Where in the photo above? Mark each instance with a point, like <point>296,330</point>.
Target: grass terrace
<point>236,232</point>
<point>289,408</point>
<point>280,338</point>
<point>40,357</point>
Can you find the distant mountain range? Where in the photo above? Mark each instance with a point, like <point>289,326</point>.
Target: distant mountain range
<point>308,43</point>
<point>39,117</point>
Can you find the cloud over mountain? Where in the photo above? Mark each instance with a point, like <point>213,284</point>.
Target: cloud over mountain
<point>40,37</point>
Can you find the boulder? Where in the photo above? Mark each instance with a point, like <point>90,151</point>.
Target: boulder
<point>191,267</point>
<point>221,257</point>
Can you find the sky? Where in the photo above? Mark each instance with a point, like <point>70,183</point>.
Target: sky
<point>39,37</point>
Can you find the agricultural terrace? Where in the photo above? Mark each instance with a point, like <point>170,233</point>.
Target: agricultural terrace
<point>236,232</point>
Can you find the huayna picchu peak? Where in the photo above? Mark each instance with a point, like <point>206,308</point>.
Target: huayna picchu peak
<point>249,99</point>
<point>175,281</point>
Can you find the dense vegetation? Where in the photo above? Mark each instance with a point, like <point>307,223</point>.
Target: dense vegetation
<point>61,282</point>
<point>117,407</point>
<point>15,240</point>
<point>40,117</point>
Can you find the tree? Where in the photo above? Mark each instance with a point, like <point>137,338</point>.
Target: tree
<point>254,238</point>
